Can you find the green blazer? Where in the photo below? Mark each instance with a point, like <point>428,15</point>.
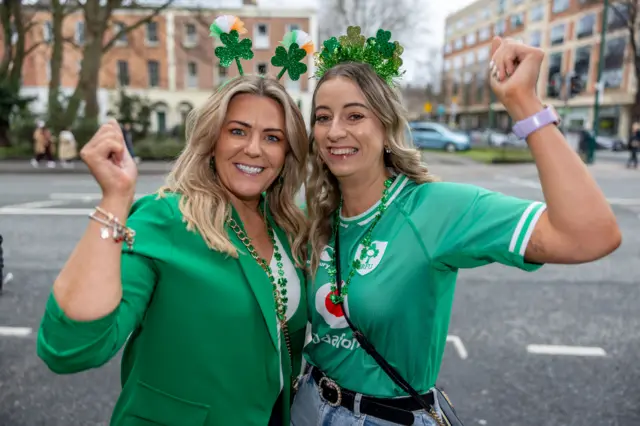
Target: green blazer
<point>202,342</point>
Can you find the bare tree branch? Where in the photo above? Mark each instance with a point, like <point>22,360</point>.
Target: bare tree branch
<point>127,29</point>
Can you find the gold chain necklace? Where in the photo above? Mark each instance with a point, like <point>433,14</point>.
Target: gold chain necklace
<point>279,295</point>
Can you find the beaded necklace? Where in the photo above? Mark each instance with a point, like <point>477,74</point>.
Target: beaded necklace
<point>336,298</point>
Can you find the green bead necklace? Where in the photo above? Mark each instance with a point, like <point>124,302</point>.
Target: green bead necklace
<point>336,298</point>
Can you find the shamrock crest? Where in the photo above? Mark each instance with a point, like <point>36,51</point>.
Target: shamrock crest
<point>353,38</point>
<point>295,46</point>
<point>227,29</point>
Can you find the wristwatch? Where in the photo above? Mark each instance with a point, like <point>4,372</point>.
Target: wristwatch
<point>523,128</point>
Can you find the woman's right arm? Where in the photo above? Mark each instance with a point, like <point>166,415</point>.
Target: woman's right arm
<point>89,315</point>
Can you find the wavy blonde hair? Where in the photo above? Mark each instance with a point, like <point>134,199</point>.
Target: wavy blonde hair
<point>204,203</point>
<point>322,190</point>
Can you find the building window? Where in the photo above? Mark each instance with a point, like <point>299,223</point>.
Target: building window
<point>501,6</point>
<point>459,25</point>
<point>153,69</point>
<point>192,75</point>
<point>447,65</point>
<point>190,34</point>
<point>585,26</point>
<point>471,39</point>
<point>152,32</point>
<point>557,34</point>
<point>617,17</point>
<point>222,71</point>
<point>261,36</point>
<point>481,81</point>
<point>536,13</point>
<point>486,13</point>
<point>293,27</point>
<point>470,58</point>
<point>535,38</point>
<point>457,62</point>
<point>582,63</point>
<point>123,73</point>
<point>517,2</point>
<point>458,44</point>
<point>447,48</point>
<point>467,89</point>
<point>484,34</point>
<point>79,35</point>
<point>554,79</point>
<point>262,68</point>
<point>471,20</point>
<point>517,20</point>
<point>499,27</point>
<point>560,6</point>
<point>47,32</point>
<point>483,54</point>
<point>122,38</point>
<point>614,62</point>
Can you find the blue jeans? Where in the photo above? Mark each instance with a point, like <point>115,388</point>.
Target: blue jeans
<point>309,409</point>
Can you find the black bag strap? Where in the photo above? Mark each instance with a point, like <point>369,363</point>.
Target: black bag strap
<point>367,346</point>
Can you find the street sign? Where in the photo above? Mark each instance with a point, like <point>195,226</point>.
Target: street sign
<point>428,107</point>
<point>441,109</point>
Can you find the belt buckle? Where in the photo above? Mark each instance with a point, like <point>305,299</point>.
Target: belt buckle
<point>333,385</point>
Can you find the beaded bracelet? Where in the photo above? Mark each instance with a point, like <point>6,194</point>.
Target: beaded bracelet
<point>113,228</point>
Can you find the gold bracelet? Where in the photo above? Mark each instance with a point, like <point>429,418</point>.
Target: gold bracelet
<point>113,228</point>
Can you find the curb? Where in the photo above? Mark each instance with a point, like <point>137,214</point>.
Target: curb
<point>79,169</point>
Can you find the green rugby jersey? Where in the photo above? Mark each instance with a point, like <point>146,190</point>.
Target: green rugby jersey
<point>401,297</point>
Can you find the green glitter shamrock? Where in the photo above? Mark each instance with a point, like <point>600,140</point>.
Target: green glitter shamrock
<point>290,61</point>
<point>383,45</point>
<point>379,52</point>
<point>233,49</point>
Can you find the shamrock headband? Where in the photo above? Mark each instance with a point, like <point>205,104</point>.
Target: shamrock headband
<point>378,51</point>
<point>294,47</point>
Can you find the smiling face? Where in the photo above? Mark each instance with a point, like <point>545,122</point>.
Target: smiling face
<point>349,136</point>
<point>251,149</point>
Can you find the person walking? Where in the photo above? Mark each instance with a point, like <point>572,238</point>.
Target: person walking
<point>67,148</point>
<point>634,146</point>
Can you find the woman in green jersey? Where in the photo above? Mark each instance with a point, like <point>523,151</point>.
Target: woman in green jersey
<point>403,237</point>
<point>208,294</point>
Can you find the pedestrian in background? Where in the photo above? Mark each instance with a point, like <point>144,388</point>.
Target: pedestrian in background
<point>42,146</point>
<point>4,278</point>
<point>634,146</point>
<point>67,148</point>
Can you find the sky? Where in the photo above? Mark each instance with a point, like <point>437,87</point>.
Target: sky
<point>434,38</point>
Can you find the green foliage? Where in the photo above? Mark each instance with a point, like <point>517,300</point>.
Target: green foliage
<point>83,130</point>
<point>135,110</point>
<point>166,149</point>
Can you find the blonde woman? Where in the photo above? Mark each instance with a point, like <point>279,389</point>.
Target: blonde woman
<point>207,294</point>
<point>68,148</point>
<point>387,240</point>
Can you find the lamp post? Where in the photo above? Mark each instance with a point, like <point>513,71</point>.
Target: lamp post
<point>599,85</point>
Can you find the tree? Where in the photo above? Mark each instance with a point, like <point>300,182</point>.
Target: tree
<point>625,13</point>
<point>135,110</point>
<point>404,18</point>
<point>16,24</point>
<point>98,19</point>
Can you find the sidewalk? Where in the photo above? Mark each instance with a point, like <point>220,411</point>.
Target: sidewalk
<point>24,167</point>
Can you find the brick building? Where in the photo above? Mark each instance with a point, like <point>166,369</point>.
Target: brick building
<point>171,59</point>
<point>569,31</point>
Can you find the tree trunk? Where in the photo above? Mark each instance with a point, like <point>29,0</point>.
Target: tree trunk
<point>54,106</point>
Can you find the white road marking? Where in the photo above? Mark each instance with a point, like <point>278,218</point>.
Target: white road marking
<point>529,183</point>
<point>457,343</point>
<point>45,212</point>
<point>74,196</point>
<point>566,350</point>
<point>35,204</point>
<point>15,331</point>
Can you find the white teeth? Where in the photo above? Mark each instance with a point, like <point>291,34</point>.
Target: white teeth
<point>252,170</point>
<point>343,151</point>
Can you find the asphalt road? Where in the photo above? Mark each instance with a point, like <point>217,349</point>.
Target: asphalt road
<point>491,371</point>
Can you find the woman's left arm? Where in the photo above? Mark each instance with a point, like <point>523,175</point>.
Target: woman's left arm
<point>578,225</point>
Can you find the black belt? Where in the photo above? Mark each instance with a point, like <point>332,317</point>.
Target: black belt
<point>396,410</point>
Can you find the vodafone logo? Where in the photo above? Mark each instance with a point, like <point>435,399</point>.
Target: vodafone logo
<point>331,313</point>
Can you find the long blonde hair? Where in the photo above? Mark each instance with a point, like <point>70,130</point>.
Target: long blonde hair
<point>204,204</point>
<point>322,190</point>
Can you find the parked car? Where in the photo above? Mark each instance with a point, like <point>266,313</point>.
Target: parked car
<point>437,136</point>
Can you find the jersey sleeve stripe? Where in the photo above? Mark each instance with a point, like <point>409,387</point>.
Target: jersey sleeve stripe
<point>521,223</point>
<point>530,228</point>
